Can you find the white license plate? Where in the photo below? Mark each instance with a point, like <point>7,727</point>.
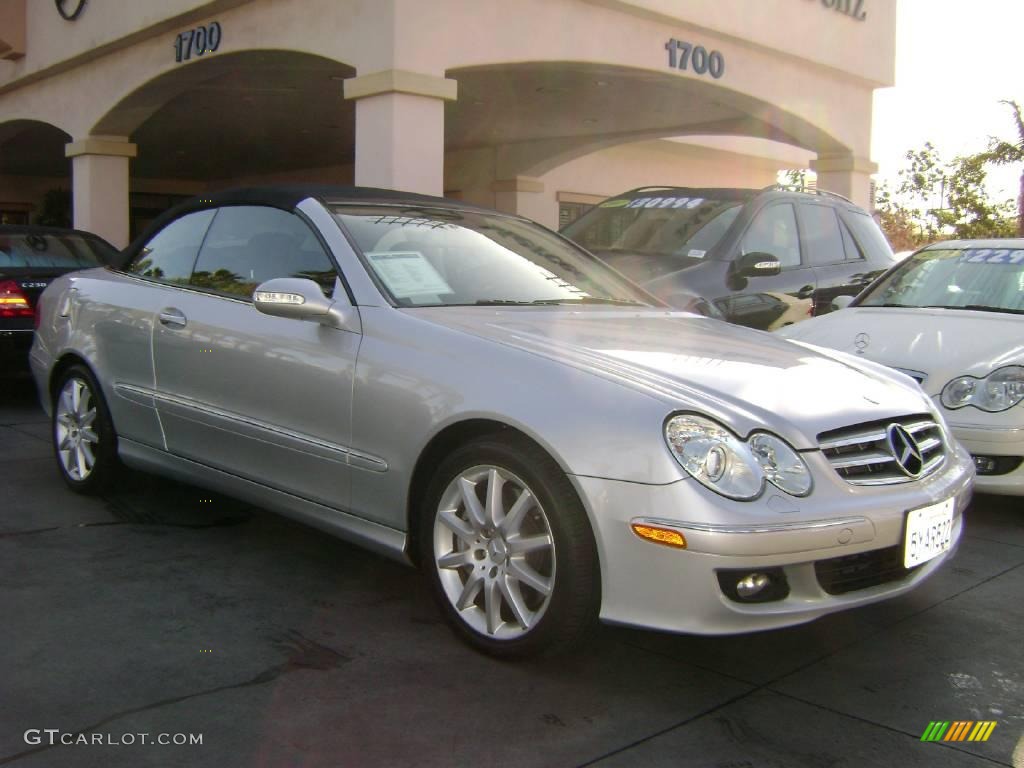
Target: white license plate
<point>929,532</point>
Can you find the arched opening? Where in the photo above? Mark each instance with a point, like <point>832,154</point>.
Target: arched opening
<point>516,124</point>
<point>35,178</point>
<point>239,118</point>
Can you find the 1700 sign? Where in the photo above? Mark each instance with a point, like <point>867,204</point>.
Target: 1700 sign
<point>197,41</point>
<point>683,55</point>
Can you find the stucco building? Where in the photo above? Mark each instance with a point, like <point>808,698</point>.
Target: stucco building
<point>531,106</point>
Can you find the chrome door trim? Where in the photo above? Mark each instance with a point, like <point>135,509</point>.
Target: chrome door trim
<point>216,417</point>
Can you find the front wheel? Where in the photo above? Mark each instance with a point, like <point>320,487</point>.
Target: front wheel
<point>508,549</point>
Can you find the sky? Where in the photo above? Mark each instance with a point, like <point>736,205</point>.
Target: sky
<point>954,61</point>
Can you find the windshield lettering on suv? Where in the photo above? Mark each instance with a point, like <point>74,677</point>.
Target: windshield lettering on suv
<point>984,279</point>
<point>674,227</point>
<point>444,257</point>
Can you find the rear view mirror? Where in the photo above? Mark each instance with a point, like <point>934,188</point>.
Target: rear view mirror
<point>301,299</point>
<point>757,264</point>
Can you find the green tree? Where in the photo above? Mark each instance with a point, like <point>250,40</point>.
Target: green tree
<point>1009,153</point>
<point>934,199</point>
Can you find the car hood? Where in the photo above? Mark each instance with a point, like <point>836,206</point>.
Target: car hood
<point>939,343</point>
<point>747,379</point>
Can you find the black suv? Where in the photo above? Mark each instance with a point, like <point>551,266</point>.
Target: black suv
<point>765,258</point>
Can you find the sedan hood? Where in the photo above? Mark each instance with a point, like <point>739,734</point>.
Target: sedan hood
<point>934,344</point>
<point>747,379</point>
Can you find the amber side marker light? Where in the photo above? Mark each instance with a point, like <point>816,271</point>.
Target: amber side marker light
<point>665,536</point>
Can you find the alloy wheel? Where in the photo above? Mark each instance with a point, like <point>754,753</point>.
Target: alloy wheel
<point>494,552</point>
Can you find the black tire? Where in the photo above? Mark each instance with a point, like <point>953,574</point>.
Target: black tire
<point>105,465</point>
<point>574,596</point>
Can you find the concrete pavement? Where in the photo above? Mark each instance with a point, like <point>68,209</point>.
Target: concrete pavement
<point>165,609</point>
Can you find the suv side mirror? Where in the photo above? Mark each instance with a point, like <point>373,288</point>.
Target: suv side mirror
<point>757,264</point>
<point>302,299</point>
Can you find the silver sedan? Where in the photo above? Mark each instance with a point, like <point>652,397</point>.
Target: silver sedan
<point>468,391</point>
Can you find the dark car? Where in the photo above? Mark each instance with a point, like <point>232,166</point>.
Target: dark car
<point>720,243</point>
<point>30,257</point>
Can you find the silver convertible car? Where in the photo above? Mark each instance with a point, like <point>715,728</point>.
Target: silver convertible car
<point>468,391</point>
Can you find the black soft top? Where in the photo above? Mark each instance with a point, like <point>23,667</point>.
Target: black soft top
<point>286,197</point>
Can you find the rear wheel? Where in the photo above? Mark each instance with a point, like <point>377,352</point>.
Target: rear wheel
<point>83,435</point>
<point>508,549</point>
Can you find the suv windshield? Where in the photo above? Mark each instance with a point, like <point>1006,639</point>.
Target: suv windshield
<point>674,225</point>
<point>987,279</point>
<point>60,251</point>
<point>445,256</point>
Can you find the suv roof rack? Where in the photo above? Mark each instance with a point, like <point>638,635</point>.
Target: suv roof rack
<point>820,192</point>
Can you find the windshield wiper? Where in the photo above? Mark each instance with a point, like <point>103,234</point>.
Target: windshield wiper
<point>556,302</point>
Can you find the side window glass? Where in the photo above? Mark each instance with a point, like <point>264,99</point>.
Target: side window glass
<point>853,251</point>
<point>774,231</point>
<point>822,238</point>
<point>170,255</point>
<point>869,237</point>
<point>248,245</point>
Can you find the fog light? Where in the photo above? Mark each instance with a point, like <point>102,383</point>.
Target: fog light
<point>763,586</point>
<point>750,585</point>
<point>985,465</point>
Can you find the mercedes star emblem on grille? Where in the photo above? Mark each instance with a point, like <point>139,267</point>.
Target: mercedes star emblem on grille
<point>905,450</point>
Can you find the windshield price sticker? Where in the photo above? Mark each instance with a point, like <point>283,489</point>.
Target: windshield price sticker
<point>993,256</point>
<point>407,273</point>
<point>666,202</point>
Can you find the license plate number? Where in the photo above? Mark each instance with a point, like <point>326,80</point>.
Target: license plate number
<point>929,532</point>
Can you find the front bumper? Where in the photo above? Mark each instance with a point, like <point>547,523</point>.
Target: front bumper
<point>658,587</point>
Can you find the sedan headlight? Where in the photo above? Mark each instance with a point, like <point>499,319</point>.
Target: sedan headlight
<point>1000,390</point>
<point>732,467</point>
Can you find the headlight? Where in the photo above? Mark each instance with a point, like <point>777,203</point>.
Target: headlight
<point>718,459</point>
<point>1000,390</point>
<point>782,466</point>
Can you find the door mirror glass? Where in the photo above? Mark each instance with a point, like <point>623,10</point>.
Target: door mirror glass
<point>757,264</point>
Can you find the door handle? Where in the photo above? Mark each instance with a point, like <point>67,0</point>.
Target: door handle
<point>172,318</point>
<point>806,292</point>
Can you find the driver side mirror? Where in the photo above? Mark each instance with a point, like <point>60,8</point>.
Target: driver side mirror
<point>302,299</point>
<point>757,264</point>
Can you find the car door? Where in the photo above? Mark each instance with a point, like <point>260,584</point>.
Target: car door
<point>837,260</point>
<point>773,230</point>
<point>122,313</point>
<point>260,397</point>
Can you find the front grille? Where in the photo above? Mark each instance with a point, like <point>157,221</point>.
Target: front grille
<point>862,454</point>
<point>840,575</point>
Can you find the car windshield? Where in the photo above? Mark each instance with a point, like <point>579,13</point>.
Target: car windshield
<point>443,257</point>
<point>674,225</point>
<point>986,279</point>
<point>59,251</point>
